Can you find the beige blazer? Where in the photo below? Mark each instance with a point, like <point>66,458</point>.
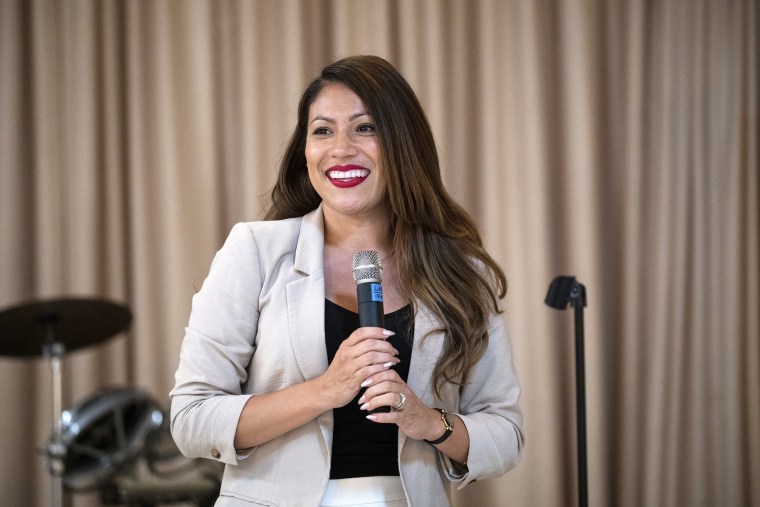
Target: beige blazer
<point>257,326</point>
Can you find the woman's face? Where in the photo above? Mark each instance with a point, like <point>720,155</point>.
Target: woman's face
<point>343,154</point>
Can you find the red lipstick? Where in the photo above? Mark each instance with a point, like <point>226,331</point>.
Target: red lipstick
<point>347,176</point>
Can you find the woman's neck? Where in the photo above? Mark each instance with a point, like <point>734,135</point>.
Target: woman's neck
<point>344,236</point>
<point>352,234</point>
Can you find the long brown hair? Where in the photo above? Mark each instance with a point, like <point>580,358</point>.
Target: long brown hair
<point>438,249</point>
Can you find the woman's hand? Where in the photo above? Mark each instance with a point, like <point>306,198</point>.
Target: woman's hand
<point>363,354</point>
<point>268,416</point>
<point>415,419</point>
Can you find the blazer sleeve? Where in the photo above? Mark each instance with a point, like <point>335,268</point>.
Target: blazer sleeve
<point>207,401</point>
<point>489,408</point>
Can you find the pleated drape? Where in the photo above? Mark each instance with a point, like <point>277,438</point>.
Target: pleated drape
<point>615,141</point>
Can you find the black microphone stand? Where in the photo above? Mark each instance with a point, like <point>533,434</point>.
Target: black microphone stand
<point>564,290</point>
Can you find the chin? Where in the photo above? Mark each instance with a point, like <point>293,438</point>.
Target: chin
<point>355,209</point>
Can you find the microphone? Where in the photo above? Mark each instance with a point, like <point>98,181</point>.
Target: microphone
<point>368,273</point>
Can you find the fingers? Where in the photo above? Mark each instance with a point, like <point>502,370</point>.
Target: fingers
<point>363,355</point>
<point>385,376</point>
<point>368,373</point>
<point>374,352</point>
<point>383,390</point>
<point>395,401</point>
<point>366,333</point>
<point>367,353</point>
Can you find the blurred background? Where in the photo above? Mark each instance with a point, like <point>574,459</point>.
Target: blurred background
<point>611,140</point>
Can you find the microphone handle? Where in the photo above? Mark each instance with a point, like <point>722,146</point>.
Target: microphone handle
<point>369,295</point>
<point>370,298</point>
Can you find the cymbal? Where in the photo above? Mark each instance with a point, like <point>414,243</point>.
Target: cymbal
<point>75,323</point>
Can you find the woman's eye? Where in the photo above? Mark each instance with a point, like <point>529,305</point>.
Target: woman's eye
<point>366,127</point>
<point>320,131</point>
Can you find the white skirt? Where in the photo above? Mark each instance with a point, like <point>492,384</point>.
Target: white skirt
<point>379,491</point>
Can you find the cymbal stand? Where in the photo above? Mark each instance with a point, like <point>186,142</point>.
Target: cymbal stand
<point>53,351</point>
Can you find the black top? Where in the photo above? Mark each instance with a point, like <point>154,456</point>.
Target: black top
<point>362,448</point>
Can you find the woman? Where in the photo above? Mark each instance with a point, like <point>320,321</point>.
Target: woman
<point>276,378</point>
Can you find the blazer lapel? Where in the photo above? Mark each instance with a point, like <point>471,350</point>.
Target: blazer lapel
<point>425,354</point>
<point>306,298</point>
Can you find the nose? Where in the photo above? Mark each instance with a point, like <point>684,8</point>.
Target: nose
<point>343,145</point>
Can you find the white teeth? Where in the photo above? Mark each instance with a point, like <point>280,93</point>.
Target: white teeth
<point>353,173</point>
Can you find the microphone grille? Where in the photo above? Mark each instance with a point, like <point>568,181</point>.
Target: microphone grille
<point>367,267</point>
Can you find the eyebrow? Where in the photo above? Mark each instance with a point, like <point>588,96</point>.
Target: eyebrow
<point>330,120</point>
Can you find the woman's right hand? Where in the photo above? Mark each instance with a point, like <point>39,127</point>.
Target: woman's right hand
<point>365,352</point>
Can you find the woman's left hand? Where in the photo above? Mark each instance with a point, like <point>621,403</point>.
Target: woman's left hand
<point>415,419</point>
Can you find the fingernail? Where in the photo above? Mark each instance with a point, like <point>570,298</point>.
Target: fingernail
<point>388,364</point>
<point>387,332</point>
<point>371,417</point>
<point>361,400</point>
<point>366,382</point>
<point>364,407</point>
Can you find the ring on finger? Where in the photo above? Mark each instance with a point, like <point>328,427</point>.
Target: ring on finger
<point>401,401</point>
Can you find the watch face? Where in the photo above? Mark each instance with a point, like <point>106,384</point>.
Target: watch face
<point>447,420</point>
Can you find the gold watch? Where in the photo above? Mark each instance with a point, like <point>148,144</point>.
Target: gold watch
<point>449,425</point>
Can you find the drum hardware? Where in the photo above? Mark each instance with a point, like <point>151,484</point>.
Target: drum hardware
<point>51,328</point>
<point>202,492</point>
<point>118,443</point>
<point>104,434</point>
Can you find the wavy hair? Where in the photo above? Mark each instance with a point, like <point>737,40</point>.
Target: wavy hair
<point>439,252</point>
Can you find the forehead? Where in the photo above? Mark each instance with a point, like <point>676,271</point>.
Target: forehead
<point>334,100</point>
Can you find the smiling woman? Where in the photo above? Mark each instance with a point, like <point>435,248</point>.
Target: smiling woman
<point>360,173</point>
<point>616,141</point>
<point>342,153</point>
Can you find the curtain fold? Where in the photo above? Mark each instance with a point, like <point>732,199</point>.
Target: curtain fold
<point>613,141</point>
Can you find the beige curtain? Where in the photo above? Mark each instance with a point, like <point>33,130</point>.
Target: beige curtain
<point>616,141</point>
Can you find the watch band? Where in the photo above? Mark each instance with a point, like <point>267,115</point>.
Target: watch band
<point>446,419</point>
